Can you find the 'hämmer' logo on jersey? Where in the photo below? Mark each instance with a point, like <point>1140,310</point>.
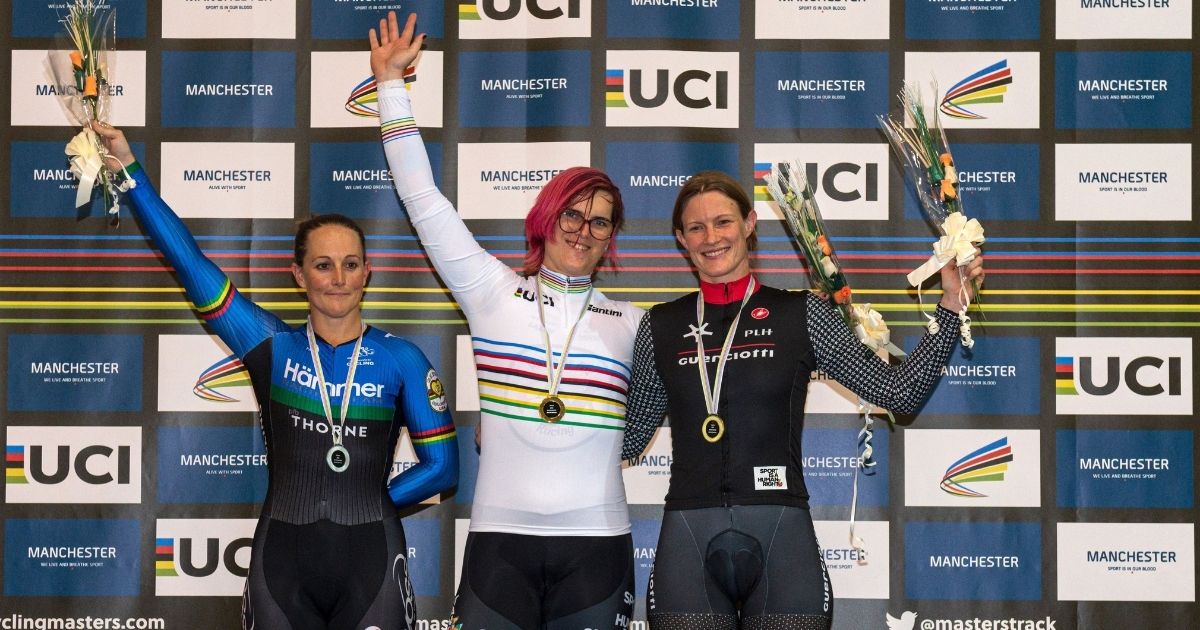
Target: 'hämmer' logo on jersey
<point>202,557</point>
<point>986,86</point>
<point>988,464</point>
<point>1123,375</point>
<point>304,376</point>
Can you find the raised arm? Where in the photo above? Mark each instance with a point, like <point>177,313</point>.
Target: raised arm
<point>423,406</point>
<point>240,323</point>
<point>468,270</point>
<point>647,404</point>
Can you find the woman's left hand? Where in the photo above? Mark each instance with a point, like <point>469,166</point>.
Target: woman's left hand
<point>955,286</point>
<point>393,50</point>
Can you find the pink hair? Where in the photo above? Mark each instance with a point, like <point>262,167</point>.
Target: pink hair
<point>575,184</point>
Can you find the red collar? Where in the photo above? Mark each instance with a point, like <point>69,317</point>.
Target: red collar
<point>726,292</point>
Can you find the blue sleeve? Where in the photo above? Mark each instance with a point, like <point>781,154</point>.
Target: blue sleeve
<point>422,404</point>
<point>240,323</point>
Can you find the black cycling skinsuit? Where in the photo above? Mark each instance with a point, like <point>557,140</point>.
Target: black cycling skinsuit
<point>329,551</point>
<point>737,547</point>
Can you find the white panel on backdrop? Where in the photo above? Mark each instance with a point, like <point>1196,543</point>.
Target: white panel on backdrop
<point>229,180</point>
<point>1136,376</point>
<point>196,372</point>
<point>77,464</point>
<point>821,19</point>
<point>229,19</point>
<point>647,480</point>
<point>1135,19</point>
<point>466,379</point>
<point>856,574</point>
<point>1127,562</point>
<point>943,467</point>
<point>462,527</point>
<point>528,19</point>
<point>1019,104</point>
<point>671,88</point>
<point>34,101</point>
<point>188,564</point>
<point>1123,182</point>
<point>336,75</point>
<point>501,181</point>
<point>857,174</point>
<point>404,458</point>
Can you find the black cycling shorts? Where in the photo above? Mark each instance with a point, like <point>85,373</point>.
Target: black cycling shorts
<point>753,567</point>
<point>521,582</point>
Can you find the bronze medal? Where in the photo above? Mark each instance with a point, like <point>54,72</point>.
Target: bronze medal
<point>713,428</point>
<point>552,409</point>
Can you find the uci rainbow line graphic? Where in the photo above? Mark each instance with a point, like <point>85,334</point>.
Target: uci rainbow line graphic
<point>228,372</point>
<point>164,557</point>
<point>614,88</point>
<point>986,464</point>
<point>364,98</point>
<point>14,464</point>
<point>988,86</point>
<point>468,11</point>
<point>1064,376</point>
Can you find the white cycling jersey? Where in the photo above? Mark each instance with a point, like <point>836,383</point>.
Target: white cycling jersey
<point>538,478</point>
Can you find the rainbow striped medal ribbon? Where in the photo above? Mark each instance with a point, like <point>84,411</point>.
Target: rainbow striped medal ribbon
<point>337,457</point>
<point>713,427</point>
<point>552,409</point>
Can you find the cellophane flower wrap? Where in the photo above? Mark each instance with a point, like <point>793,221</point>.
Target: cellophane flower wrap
<point>930,168</point>
<point>789,186</point>
<point>87,66</point>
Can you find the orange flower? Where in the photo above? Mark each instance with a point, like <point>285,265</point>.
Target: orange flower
<point>948,189</point>
<point>77,59</point>
<point>823,245</point>
<point>89,87</point>
<point>842,296</point>
<point>946,160</point>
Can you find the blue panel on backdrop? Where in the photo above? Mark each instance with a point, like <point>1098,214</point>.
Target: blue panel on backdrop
<point>819,90</point>
<point>211,465</point>
<point>649,174</point>
<point>228,89</point>
<point>74,372</point>
<point>999,182</point>
<point>830,458</point>
<point>424,538</point>
<point>1123,90</point>
<point>524,89</point>
<point>999,376</point>
<point>56,557</point>
<point>691,20</point>
<point>41,183</point>
<point>972,19</point>
<point>351,19</point>
<point>40,18</point>
<point>352,178</point>
<point>1125,469</point>
<point>645,546</point>
<point>973,561</point>
<point>468,465</point>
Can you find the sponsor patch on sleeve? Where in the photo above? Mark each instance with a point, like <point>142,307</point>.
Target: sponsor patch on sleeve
<point>435,391</point>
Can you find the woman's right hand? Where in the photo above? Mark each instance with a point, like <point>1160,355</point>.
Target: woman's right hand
<point>114,142</point>
<point>393,51</point>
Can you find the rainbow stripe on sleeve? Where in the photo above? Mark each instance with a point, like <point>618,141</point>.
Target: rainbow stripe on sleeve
<point>220,305</point>
<point>439,434</point>
<point>399,128</point>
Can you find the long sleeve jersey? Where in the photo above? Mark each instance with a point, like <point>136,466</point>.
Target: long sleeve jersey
<point>535,477</point>
<point>394,386</point>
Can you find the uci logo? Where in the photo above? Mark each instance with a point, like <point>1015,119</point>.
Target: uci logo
<point>211,557</point>
<point>1123,375</point>
<point>694,89</point>
<point>845,181</point>
<point>540,9</point>
<point>94,465</point>
<point>1144,376</point>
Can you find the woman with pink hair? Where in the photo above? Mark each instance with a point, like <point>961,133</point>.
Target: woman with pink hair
<point>549,543</point>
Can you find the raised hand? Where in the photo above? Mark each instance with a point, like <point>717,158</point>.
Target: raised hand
<point>393,51</point>
<point>956,286</point>
<point>115,143</point>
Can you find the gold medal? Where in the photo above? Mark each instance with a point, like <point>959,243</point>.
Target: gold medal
<point>552,409</point>
<point>713,428</point>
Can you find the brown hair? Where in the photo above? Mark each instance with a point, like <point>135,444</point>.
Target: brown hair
<point>300,247</point>
<point>706,181</point>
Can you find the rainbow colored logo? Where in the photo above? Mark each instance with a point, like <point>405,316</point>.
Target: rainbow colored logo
<point>762,170</point>
<point>228,372</point>
<point>364,98</point>
<point>468,11</point>
<point>988,86</point>
<point>614,88</point>
<point>986,464</point>
<point>14,464</point>
<point>1064,376</point>
<point>164,557</point>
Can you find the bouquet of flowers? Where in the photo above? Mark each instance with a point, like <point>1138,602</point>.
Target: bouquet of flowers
<point>91,31</point>
<point>789,186</point>
<point>929,167</point>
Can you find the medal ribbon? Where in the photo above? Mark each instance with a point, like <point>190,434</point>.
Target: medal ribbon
<point>713,398</point>
<point>554,376</point>
<point>312,351</point>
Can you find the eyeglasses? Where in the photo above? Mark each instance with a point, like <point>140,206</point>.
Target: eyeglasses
<point>571,220</point>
